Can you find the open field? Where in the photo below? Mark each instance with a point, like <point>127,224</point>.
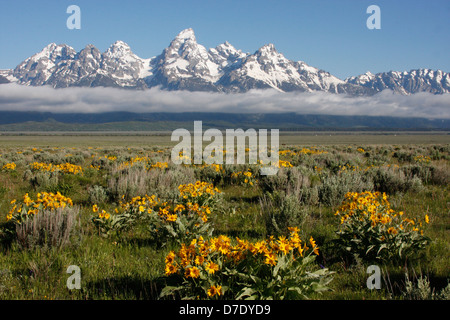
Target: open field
<point>129,245</point>
<point>153,138</point>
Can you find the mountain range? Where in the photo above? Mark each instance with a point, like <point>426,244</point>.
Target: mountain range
<point>187,65</point>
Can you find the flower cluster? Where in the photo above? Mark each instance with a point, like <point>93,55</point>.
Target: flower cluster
<point>197,192</point>
<point>199,252</point>
<point>133,161</point>
<point>145,161</point>
<point>311,151</point>
<point>422,159</point>
<point>198,198</point>
<point>30,207</point>
<point>102,214</point>
<point>9,166</point>
<point>214,264</point>
<point>170,214</point>
<point>187,217</point>
<point>143,204</point>
<point>300,152</point>
<point>284,164</point>
<point>375,207</point>
<point>355,168</point>
<point>69,168</point>
<point>111,158</point>
<point>347,167</point>
<point>160,165</point>
<point>286,152</point>
<point>124,216</point>
<point>64,168</point>
<point>181,218</point>
<point>371,228</point>
<point>245,178</point>
<point>217,167</point>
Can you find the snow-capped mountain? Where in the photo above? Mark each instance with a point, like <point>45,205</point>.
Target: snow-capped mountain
<point>267,68</point>
<point>187,65</point>
<point>126,68</point>
<point>225,55</point>
<point>37,69</point>
<point>61,66</point>
<point>420,80</point>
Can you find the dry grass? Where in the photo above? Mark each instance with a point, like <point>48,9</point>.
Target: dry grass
<point>49,229</point>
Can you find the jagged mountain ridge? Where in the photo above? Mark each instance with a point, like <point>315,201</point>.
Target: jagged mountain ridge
<point>419,80</point>
<point>187,65</point>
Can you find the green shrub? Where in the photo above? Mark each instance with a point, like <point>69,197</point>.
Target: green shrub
<point>77,159</point>
<point>130,182</point>
<point>210,173</point>
<point>280,211</point>
<point>334,187</point>
<point>440,176</point>
<point>42,180</point>
<point>291,181</point>
<point>97,195</point>
<point>422,171</point>
<point>392,179</point>
<point>420,289</point>
<point>165,183</point>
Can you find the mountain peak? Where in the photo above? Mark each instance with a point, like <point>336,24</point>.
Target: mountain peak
<point>47,50</point>
<point>267,50</point>
<point>118,49</point>
<point>53,52</point>
<point>186,34</point>
<point>268,47</point>
<point>227,47</point>
<point>120,44</point>
<point>50,46</point>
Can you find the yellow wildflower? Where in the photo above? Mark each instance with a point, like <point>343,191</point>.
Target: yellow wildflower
<point>215,290</point>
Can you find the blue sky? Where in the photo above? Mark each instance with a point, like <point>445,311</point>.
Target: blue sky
<point>327,34</point>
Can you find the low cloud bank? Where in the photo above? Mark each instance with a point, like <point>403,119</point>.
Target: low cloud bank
<point>15,97</point>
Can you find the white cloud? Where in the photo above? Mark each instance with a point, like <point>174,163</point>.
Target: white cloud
<point>15,97</point>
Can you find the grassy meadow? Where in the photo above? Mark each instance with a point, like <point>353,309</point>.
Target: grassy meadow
<point>86,200</point>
